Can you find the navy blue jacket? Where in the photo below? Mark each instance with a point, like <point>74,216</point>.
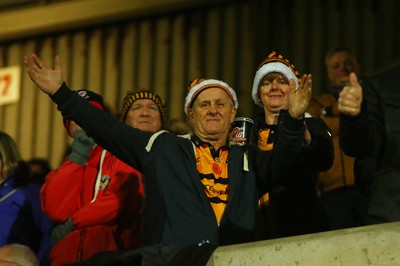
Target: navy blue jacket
<point>176,209</point>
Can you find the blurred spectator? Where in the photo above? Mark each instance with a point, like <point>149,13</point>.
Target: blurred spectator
<point>345,205</point>
<point>371,132</point>
<point>40,168</point>
<point>113,216</point>
<point>17,254</point>
<point>94,198</point>
<point>22,220</point>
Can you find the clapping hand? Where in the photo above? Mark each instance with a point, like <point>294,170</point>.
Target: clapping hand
<point>47,79</point>
<point>300,99</point>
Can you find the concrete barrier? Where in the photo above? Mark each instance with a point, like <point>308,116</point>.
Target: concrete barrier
<point>367,245</point>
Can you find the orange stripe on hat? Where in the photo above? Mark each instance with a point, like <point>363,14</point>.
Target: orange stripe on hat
<point>198,85</point>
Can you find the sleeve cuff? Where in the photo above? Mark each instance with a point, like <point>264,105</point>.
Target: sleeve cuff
<point>291,123</point>
<point>62,95</point>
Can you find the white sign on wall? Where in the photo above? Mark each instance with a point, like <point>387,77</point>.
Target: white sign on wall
<point>10,80</point>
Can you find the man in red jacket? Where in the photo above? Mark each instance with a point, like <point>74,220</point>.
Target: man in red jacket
<point>95,198</point>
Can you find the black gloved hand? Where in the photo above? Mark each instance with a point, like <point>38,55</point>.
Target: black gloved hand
<point>81,147</point>
<point>62,230</point>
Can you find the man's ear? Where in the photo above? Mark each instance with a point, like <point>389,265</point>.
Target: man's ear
<point>190,113</point>
<point>233,114</point>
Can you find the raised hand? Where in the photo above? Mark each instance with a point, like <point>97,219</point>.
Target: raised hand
<point>350,98</point>
<point>300,99</point>
<point>47,79</point>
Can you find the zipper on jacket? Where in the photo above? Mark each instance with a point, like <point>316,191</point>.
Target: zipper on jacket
<point>81,240</point>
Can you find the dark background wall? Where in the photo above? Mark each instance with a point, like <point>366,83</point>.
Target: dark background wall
<point>113,46</point>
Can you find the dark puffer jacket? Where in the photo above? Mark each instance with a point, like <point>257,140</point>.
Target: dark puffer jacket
<point>374,138</point>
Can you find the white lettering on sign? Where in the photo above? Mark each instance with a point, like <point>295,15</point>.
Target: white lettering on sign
<point>10,80</point>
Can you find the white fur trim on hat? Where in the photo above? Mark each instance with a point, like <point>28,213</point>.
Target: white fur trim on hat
<point>268,68</point>
<point>206,83</point>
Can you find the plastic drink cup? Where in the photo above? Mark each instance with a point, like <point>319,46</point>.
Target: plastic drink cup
<point>245,127</point>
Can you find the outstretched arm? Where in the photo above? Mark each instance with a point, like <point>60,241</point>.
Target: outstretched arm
<point>47,79</point>
<point>125,142</point>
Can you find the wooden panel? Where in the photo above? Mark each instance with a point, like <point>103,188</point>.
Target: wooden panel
<point>178,83</point>
<point>12,117</point>
<point>230,46</point>
<point>246,66</point>
<point>127,59</point>
<point>3,51</point>
<point>15,3</point>
<point>60,138</point>
<point>145,42</point>
<point>194,46</point>
<point>368,21</point>
<point>111,70</point>
<point>43,107</point>
<point>78,62</point>
<point>163,52</point>
<point>70,15</point>
<point>213,39</point>
<point>161,59</point>
<point>313,63</point>
<point>95,61</point>
<point>28,105</point>
<point>388,43</point>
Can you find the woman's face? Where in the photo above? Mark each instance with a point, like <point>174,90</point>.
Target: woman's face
<point>273,91</point>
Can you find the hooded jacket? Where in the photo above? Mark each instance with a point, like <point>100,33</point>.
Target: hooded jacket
<point>109,220</point>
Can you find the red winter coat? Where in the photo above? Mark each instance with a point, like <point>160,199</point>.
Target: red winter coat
<point>111,221</point>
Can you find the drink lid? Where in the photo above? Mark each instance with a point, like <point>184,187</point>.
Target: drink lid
<point>244,119</point>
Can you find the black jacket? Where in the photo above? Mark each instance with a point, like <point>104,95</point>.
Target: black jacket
<point>373,138</point>
<point>176,209</point>
<point>296,207</point>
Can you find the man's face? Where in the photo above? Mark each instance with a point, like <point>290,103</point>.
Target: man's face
<point>144,115</point>
<point>339,66</point>
<point>212,114</point>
